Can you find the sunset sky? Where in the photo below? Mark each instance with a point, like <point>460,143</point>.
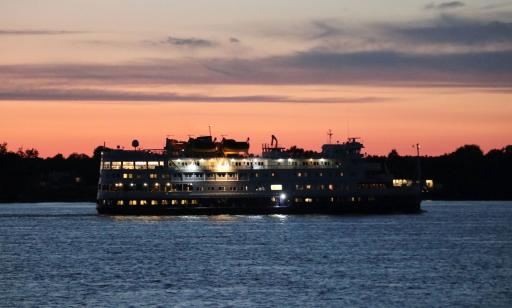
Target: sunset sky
<point>75,74</point>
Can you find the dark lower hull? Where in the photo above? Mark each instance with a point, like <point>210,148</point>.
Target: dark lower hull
<point>266,207</point>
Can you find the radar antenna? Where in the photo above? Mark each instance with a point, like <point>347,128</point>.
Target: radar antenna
<point>135,144</point>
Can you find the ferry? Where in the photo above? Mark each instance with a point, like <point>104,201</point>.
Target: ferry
<point>204,176</point>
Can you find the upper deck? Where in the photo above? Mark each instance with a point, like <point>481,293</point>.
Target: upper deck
<point>140,160</point>
<point>204,155</point>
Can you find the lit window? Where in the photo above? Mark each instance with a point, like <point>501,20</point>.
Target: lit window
<point>140,165</point>
<point>308,200</point>
<point>153,176</point>
<point>128,165</point>
<point>276,187</point>
<point>154,202</point>
<point>132,202</point>
<point>116,165</point>
<point>152,164</point>
<point>120,202</point>
<point>429,183</point>
<point>143,202</point>
<point>106,165</point>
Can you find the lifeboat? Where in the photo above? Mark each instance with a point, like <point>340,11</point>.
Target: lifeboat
<point>203,145</point>
<point>232,147</point>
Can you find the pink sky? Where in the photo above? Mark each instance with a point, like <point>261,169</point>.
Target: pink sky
<point>75,74</point>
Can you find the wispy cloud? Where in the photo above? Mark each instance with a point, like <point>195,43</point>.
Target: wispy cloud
<point>189,42</point>
<point>452,30</point>
<point>56,94</point>
<point>37,32</point>
<point>498,5</point>
<point>325,29</point>
<point>447,50</point>
<point>445,5</point>
<point>486,68</point>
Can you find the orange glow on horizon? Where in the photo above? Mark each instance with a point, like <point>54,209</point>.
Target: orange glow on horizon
<point>441,119</point>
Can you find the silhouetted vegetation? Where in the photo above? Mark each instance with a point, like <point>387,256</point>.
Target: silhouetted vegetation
<point>27,177</point>
<point>465,174</point>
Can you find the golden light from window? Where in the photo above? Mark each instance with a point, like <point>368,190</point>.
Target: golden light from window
<point>276,187</point>
<point>429,183</point>
<point>222,166</point>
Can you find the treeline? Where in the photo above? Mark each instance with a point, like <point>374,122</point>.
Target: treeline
<point>26,177</point>
<point>465,174</point>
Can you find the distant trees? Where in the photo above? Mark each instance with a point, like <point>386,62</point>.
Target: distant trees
<point>393,154</point>
<point>466,173</point>
<point>25,176</point>
<point>468,152</point>
<point>3,148</point>
<point>28,153</point>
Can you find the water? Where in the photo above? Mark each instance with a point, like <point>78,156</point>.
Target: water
<point>63,254</point>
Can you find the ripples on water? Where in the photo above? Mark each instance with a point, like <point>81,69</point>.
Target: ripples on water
<point>455,254</point>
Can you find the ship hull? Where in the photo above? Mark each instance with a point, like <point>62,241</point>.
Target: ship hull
<point>267,207</point>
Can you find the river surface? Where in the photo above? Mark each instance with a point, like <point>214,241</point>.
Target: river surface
<point>64,254</point>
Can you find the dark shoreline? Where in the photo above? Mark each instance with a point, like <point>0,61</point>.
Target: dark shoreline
<point>465,174</point>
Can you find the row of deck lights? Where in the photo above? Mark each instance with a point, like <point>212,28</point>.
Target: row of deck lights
<point>144,184</point>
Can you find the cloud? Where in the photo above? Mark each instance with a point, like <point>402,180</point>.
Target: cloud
<point>445,5</point>
<point>56,94</point>
<point>494,6</point>
<point>189,42</point>
<point>234,40</point>
<point>37,32</point>
<point>454,31</point>
<point>377,61</point>
<point>325,29</point>
<point>381,67</point>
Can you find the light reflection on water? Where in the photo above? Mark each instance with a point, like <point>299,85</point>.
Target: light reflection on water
<point>454,254</point>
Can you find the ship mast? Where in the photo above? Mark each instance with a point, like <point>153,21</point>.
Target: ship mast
<point>417,146</point>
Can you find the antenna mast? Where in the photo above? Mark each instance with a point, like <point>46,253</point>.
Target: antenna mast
<point>329,133</point>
